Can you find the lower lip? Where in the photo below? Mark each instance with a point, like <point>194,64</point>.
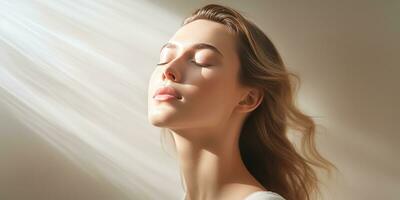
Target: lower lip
<point>164,97</point>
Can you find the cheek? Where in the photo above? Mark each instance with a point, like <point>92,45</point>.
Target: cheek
<point>218,82</point>
<point>214,90</point>
<point>212,102</point>
<point>211,82</point>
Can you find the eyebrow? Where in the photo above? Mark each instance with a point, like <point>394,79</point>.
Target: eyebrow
<point>195,46</point>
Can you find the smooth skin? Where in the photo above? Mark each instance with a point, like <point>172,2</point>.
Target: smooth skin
<point>206,122</point>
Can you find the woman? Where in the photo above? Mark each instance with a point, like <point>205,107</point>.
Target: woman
<point>223,93</point>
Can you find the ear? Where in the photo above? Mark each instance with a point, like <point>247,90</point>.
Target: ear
<point>250,101</point>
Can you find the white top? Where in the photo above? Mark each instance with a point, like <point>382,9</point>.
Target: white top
<point>259,195</point>
<point>264,195</point>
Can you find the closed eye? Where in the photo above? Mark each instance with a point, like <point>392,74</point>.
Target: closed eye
<point>193,61</point>
<point>198,64</point>
<point>161,63</point>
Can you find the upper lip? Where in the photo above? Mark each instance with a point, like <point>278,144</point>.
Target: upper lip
<point>167,90</point>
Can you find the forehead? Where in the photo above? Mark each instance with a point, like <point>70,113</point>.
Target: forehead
<point>209,32</point>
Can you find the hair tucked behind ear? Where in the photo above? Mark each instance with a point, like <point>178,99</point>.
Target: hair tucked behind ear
<point>264,145</point>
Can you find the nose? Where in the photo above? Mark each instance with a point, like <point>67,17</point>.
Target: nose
<point>171,70</point>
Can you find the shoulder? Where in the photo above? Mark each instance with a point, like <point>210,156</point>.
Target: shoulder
<point>264,195</point>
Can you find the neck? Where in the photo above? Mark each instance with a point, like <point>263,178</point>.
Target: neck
<point>211,164</point>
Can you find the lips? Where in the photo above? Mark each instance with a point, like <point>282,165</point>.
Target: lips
<point>167,91</point>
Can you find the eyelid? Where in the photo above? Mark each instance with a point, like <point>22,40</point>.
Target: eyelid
<point>196,63</point>
<point>193,61</point>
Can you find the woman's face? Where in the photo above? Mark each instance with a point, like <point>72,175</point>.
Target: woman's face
<point>209,93</point>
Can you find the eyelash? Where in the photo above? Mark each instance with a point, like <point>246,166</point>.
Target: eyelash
<point>196,63</point>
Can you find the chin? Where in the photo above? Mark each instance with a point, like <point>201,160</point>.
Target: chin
<point>159,121</point>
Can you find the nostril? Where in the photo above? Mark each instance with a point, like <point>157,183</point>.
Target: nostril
<point>170,75</point>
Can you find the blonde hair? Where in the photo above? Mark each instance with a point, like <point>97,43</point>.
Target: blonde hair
<point>264,145</point>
